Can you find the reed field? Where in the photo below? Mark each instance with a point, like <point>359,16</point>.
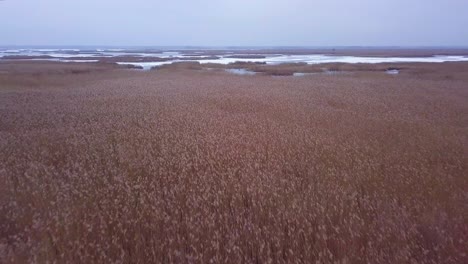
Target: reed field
<point>187,165</point>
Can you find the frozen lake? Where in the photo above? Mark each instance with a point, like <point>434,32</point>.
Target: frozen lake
<point>147,59</point>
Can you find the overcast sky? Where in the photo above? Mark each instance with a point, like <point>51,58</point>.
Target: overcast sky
<point>235,22</point>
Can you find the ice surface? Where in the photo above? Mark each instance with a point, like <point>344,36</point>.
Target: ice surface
<point>240,71</point>
<point>392,71</point>
<point>146,65</point>
<point>65,54</point>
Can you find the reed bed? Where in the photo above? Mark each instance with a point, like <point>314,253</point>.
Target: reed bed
<point>183,166</point>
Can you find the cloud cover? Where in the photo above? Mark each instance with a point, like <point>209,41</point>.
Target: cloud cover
<point>235,22</point>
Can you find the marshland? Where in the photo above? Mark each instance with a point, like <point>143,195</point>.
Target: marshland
<point>234,131</point>
<point>189,163</point>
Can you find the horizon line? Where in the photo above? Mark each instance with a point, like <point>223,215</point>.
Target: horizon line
<point>243,46</point>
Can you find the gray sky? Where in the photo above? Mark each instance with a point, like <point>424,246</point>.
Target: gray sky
<point>235,22</point>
